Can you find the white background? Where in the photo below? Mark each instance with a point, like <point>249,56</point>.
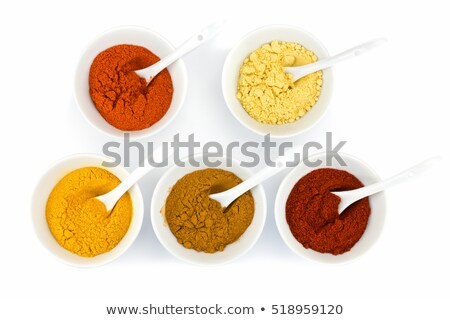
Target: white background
<point>390,105</point>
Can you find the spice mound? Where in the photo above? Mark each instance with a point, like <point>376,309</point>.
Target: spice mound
<point>121,96</point>
<point>267,93</point>
<point>312,212</point>
<point>199,222</point>
<point>80,223</point>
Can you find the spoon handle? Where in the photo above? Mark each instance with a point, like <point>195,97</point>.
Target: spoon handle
<point>111,198</point>
<point>196,40</point>
<point>230,195</point>
<point>392,181</point>
<point>328,62</point>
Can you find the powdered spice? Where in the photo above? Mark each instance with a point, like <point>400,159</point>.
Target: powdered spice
<point>200,223</point>
<point>121,96</point>
<point>268,93</point>
<point>78,221</point>
<point>312,212</point>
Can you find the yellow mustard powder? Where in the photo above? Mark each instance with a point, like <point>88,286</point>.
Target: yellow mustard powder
<point>269,94</point>
<point>80,223</point>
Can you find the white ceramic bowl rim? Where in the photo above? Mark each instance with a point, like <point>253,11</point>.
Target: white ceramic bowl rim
<point>233,250</point>
<point>160,46</point>
<point>250,42</point>
<point>376,221</point>
<point>45,185</point>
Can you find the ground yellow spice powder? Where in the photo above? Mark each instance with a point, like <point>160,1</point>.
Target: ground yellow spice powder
<point>267,93</point>
<point>199,222</point>
<point>80,223</point>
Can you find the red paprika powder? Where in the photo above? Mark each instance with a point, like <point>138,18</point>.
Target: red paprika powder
<point>312,212</point>
<point>121,96</point>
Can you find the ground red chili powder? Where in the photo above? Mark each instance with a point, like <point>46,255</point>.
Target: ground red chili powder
<point>121,96</point>
<point>312,212</point>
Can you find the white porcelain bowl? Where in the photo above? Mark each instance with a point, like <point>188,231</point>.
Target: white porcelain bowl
<point>136,36</point>
<point>253,41</point>
<point>377,204</point>
<point>232,251</point>
<point>39,201</point>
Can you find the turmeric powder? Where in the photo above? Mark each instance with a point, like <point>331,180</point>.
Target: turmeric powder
<point>200,223</point>
<point>78,221</point>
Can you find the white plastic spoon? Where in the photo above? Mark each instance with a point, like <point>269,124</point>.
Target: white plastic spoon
<point>225,198</point>
<point>300,72</point>
<point>110,199</point>
<point>199,38</point>
<point>351,196</point>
